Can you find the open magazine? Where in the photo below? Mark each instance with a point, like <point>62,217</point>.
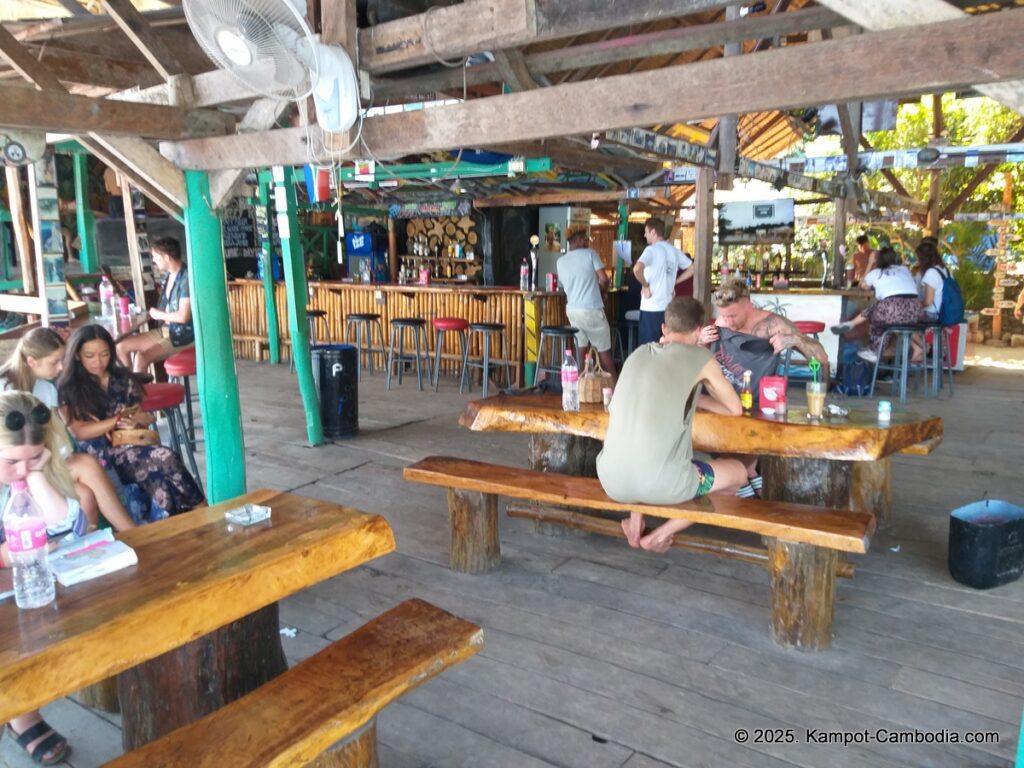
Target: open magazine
<point>93,555</point>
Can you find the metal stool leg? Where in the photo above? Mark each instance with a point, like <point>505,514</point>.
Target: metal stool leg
<point>540,357</point>
<point>486,375</point>
<point>419,374</point>
<point>359,351</point>
<point>903,350</point>
<point>464,375</point>
<point>391,358</point>
<point>437,357</point>
<point>188,409</point>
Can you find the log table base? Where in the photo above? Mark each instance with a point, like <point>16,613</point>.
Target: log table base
<point>203,675</point>
<point>473,523</point>
<point>861,486</point>
<point>359,750</point>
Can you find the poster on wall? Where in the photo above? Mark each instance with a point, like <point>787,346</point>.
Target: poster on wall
<point>759,221</point>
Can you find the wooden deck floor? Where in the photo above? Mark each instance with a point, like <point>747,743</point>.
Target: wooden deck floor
<point>598,656</point>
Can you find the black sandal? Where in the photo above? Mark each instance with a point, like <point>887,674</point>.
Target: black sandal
<point>54,745</point>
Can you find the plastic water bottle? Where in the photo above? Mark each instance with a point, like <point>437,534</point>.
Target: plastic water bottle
<point>570,383</point>
<point>106,296</point>
<point>524,275</point>
<point>25,532</point>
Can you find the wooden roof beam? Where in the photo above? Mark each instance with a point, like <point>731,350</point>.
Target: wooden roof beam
<point>894,14</point>
<point>893,63</point>
<point>669,41</point>
<point>482,25</point>
<point>150,45</point>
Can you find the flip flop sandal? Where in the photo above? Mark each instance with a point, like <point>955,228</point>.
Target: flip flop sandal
<point>49,751</point>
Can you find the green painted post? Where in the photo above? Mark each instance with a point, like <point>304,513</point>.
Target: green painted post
<point>622,234</point>
<point>215,359</point>
<point>86,223</point>
<point>297,294</point>
<point>265,223</point>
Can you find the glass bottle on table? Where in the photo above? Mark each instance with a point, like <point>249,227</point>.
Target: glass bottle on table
<point>747,393</point>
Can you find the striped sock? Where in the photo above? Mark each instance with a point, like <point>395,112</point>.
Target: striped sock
<point>756,482</point>
<point>746,492</point>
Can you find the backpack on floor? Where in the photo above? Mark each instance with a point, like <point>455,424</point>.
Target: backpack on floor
<point>854,379</point>
<point>951,312</point>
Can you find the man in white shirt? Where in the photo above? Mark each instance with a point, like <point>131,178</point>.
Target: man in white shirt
<point>581,275</point>
<point>658,269</point>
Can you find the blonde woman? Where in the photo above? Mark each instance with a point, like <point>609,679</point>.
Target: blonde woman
<point>37,360</point>
<point>29,443</point>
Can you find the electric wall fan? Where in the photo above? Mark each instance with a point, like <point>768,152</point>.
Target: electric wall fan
<point>269,47</point>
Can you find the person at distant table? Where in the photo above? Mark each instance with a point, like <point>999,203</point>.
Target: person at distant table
<point>174,311</point>
<point>581,275</point>
<point>863,258</point>
<point>658,269</point>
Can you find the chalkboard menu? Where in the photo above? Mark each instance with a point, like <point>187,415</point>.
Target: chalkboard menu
<point>239,235</point>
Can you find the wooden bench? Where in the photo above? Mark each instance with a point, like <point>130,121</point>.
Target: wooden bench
<point>803,542</point>
<point>330,697</point>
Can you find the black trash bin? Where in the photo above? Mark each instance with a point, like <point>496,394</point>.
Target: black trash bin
<point>986,543</point>
<point>337,379</point>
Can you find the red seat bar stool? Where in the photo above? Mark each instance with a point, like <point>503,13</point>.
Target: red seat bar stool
<point>166,398</point>
<point>443,325</point>
<point>182,365</point>
<point>809,328</point>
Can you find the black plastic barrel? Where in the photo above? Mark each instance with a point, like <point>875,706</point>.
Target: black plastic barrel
<point>337,378</point>
<point>986,543</point>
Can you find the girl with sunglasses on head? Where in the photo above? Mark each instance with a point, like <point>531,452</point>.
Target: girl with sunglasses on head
<point>30,440</point>
<point>99,395</point>
<point>36,361</point>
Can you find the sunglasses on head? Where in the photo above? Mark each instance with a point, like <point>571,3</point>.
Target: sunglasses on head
<point>15,421</point>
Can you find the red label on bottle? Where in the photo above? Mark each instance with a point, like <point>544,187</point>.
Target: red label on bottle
<point>25,534</point>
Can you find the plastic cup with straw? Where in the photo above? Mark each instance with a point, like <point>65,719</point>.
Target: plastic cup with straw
<point>816,391</point>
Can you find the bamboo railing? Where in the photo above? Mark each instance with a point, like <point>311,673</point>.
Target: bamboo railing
<point>472,303</point>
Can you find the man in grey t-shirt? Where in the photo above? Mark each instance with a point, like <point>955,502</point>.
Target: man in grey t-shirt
<point>581,275</point>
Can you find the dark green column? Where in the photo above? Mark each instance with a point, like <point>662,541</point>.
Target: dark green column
<point>215,359</point>
<point>265,225</point>
<point>297,293</point>
<point>85,221</point>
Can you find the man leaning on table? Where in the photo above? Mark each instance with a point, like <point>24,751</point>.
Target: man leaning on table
<point>581,275</point>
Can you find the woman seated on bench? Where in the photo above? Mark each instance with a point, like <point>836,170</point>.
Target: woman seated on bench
<point>29,443</point>
<point>100,396</point>
<point>648,448</point>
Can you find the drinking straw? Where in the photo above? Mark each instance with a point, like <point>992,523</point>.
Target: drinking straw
<point>815,366</point>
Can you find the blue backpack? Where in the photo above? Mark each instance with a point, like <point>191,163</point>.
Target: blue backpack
<point>951,312</point>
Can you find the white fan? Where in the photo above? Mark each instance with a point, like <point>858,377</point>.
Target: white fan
<point>268,46</point>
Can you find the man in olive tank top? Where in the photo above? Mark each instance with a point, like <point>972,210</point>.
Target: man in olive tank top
<point>648,451</point>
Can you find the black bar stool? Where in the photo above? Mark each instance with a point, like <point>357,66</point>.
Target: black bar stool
<point>443,325</point>
<point>560,335</point>
<point>313,316</point>
<point>486,361</point>
<point>941,355</point>
<point>418,327</point>
<point>365,324</point>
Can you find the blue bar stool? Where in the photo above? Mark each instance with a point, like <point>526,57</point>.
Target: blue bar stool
<point>901,366</point>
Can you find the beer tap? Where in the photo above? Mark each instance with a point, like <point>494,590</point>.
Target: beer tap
<point>534,242</point>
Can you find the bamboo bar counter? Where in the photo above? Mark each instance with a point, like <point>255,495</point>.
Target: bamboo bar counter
<point>521,312</point>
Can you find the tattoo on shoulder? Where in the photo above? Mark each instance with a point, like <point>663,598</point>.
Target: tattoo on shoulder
<point>771,325</point>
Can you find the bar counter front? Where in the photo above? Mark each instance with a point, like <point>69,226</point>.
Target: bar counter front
<point>521,312</point>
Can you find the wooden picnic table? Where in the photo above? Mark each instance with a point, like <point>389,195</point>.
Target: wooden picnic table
<point>834,462</point>
<point>194,625</point>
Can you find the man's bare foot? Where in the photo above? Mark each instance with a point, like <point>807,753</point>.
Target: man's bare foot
<point>653,542</point>
<point>633,527</point>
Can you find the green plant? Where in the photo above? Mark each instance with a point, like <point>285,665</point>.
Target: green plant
<point>975,285</point>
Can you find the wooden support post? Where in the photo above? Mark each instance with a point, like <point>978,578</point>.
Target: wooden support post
<point>265,229</point>
<point>20,224</point>
<point>839,244</point>
<point>704,232</point>
<point>134,251</point>
<point>871,489</point>
<point>803,587</point>
<point>473,521</point>
<point>88,256</point>
<point>727,124</point>
<point>215,360</point>
<point>392,250</point>
<point>934,224</point>
<point>101,696</point>
<point>621,234</point>
<point>357,750</point>
<point>297,293</point>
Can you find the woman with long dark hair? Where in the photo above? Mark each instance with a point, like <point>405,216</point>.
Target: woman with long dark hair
<point>98,396</point>
<point>932,273</point>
